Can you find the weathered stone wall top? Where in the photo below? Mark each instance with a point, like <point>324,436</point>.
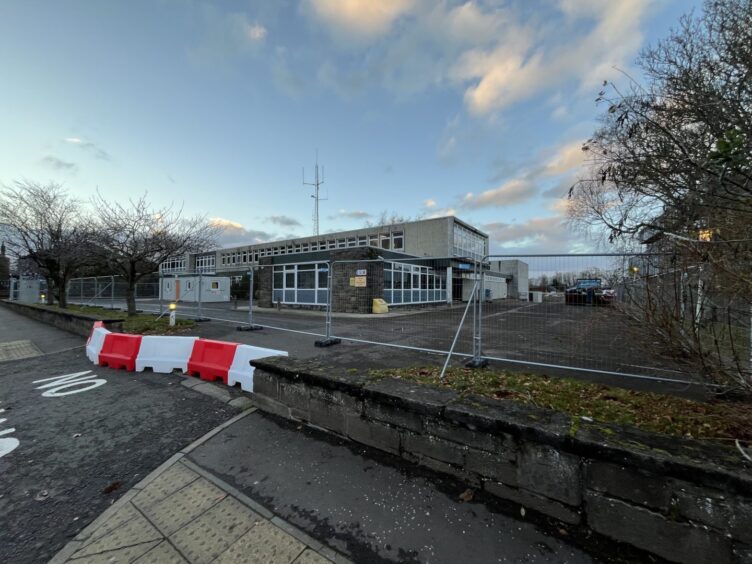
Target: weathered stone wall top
<point>686,459</point>
<point>676,499</point>
<point>78,323</point>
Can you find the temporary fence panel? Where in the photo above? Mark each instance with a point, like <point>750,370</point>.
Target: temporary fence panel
<point>423,312</point>
<point>570,312</point>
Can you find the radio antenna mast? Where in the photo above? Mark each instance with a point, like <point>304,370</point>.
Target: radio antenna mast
<point>317,182</point>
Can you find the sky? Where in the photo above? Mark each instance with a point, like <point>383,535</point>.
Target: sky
<point>421,108</point>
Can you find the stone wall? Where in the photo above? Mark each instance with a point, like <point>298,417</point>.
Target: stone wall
<point>679,500</point>
<point>77,323</point>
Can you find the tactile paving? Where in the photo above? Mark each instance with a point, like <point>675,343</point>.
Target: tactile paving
<point>163,553</point>
<point>184,506</point>
<point>263,543</point>
<point>213,532</point>
<point>18,349</point>
<point>311,557</point>
<point>134,531</point>
<point>163,486</point>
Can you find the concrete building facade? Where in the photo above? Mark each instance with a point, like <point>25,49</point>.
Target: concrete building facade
<point>414,263</point>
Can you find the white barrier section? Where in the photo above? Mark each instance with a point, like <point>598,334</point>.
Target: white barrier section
<point>241,371</point>
<point>94,346</point>
<point>164,354</point>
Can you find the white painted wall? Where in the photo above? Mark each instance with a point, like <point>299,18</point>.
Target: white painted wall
<point>213,289</point>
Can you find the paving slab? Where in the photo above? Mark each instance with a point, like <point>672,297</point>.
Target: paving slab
<point>208,536</point>
<point>15,350</point>
<point>366,505</point>
<point>263,543</point>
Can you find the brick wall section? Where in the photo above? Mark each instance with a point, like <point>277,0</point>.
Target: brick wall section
<point>263,279</point>
<point>77,323</point>
<point>349,299</point>
<point>680,500</point>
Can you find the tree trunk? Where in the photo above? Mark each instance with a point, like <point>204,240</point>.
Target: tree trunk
<point>130,298</point>
<point>62,299</point>
<point>130,292</point>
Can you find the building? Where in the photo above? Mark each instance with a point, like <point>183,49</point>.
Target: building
<point>411,263</point>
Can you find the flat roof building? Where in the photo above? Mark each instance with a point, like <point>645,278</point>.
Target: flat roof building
<point>414,262</point>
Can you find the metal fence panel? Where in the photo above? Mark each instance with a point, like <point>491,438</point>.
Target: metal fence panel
<point>575,314</point>
<point>423,311</point>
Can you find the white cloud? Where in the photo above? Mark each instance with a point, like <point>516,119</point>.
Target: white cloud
<point>360,19</point>
<point>234,233</point>
<point>93,149</point>
<point>564,161</point>
<point>55,163</point>
<point>255,32</point>
<point>568,157</point>
<point>351,214</point>
<point>528,64</point>
<point>283,220</point>
<point>429,203</point>
<point>512,192</point>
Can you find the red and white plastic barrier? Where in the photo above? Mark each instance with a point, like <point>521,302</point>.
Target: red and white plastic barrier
<point>120,350</point>
<point>208,359</point>
<point>241,371</point>
<point>95,341</point>
<point>164,354</point>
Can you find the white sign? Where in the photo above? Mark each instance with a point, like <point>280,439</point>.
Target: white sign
<point>360,272</point>
<point>58,383</point>
<point>7,444</point>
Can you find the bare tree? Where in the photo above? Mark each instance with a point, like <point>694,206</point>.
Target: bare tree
<point>671,164</point>
<point>46,226</point>
<point>135,238</point>
<point>389,218</point>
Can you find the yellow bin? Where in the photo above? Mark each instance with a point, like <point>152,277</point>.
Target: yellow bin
<point>380,306</point>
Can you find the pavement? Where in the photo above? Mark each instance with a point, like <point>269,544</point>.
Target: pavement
<point>90,473</point>
<point>181,514</point>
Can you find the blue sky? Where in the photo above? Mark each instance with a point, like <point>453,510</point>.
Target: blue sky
<point>417,107</point>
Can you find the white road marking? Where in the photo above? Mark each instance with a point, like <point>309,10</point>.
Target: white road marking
<point>8,444</point>
<point>69,381</point>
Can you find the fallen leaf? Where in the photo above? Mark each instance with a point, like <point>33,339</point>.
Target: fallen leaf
<point>467,495</point>
<point>112,487</point>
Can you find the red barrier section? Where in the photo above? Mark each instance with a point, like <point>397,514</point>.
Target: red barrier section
<point>97,324</point>
<point>120,351</point>
<point>211,360</point>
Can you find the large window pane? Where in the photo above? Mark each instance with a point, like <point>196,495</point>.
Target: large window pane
<point>306,280</point>
<point>307,296</point>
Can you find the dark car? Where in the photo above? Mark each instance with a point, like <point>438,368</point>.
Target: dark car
<point>589,291</point>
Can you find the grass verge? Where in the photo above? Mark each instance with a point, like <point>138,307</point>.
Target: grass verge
<point>142,323</point>
<point>717,420</point>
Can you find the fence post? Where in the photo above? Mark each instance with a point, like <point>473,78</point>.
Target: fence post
<point>251,326</point>
<point>477,361</point>
<point>459,330</point>
<point>328,340</point>
<point>112,292</point>
<point>200,315</point>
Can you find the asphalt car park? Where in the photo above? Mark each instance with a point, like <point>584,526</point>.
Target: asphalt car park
<point>74,437</point>
<point>551,337</point>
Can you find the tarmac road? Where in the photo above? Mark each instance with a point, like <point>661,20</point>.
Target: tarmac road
<point>77,453</point>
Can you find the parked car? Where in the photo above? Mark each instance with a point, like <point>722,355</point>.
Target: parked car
<point>589,291</point>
